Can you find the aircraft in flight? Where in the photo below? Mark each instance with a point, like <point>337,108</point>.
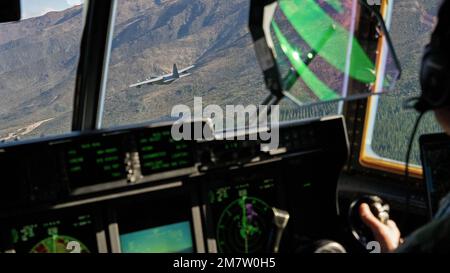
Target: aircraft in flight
<point>166,79</point>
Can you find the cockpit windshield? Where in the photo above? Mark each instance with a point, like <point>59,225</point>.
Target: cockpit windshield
<point>166,53</point>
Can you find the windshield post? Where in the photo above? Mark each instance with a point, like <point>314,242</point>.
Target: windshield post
<point>93,65</point>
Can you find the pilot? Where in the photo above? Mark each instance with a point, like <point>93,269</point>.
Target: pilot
<point>435,236</point>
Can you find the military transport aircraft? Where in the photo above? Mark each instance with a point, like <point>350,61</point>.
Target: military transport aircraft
<point>166,79</point>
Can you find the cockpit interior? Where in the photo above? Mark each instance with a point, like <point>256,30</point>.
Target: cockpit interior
<point>237,127</point>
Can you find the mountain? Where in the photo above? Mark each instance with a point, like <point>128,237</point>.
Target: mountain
<point>39,59</point>
<point>212,35</point>
<point>37,72</point>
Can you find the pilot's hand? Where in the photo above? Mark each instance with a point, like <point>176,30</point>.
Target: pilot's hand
<point>388,235</point>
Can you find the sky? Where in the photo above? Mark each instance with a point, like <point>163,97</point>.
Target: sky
<point>34,8</point>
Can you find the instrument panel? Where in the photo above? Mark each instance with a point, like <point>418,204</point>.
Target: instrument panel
<point>158,224</point>
<point>136,190</point>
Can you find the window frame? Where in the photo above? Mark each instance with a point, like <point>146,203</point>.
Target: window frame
<point>367,157</point>
<point>92,71</point>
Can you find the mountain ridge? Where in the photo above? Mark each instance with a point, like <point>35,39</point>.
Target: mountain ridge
<point>39,58</point>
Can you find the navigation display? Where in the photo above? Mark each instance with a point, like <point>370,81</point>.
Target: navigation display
<point>95,160</point>
<point>159,152</point>
<point>68,233</point>
<point>173,238</point>
<point>242,213</point>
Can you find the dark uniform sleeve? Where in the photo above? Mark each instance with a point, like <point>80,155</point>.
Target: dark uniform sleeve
<point>432,238</point>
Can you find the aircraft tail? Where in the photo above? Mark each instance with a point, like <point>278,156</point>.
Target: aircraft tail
<point>176,74</point>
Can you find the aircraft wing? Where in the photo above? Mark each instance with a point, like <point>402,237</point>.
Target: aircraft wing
<point>186,69</point>
<point>151,81</point>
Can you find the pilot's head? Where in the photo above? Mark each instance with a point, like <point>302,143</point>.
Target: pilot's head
<point>435,73</point>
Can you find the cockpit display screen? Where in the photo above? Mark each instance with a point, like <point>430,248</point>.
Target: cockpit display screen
<point>70,233</point>
<point>172,238</point>
<point>159,152</point>
<point>95,160</point>
<point>155,225</point>
<point>436,165</point>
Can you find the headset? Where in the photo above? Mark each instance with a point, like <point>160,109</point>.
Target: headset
<point>435,70</point>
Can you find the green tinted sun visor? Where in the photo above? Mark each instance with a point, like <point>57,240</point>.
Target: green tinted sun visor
<point>329,50</point>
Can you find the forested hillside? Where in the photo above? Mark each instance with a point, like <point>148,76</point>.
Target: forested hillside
<point>411,28</point>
